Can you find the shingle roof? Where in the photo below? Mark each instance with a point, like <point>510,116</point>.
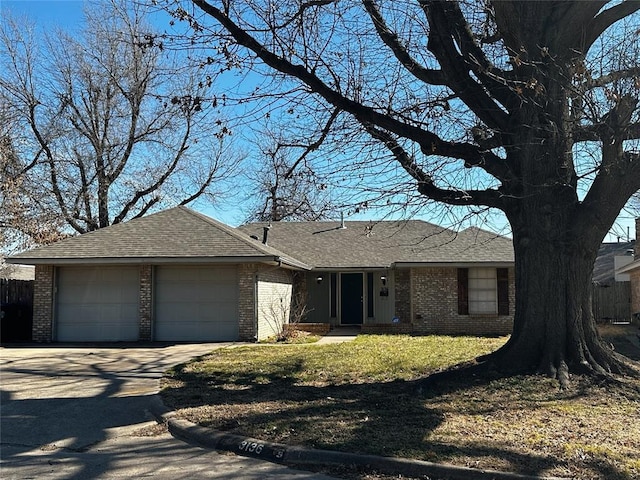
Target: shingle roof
<point>182,235</point>
<point>177,234</point>
<point>326,245</point>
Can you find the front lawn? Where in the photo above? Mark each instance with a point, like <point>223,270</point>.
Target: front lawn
<point>370,396</point>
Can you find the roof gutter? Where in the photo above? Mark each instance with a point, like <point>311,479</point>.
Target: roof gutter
<point>268,259</point>
<point>629,266</point>
<point>453,264</point>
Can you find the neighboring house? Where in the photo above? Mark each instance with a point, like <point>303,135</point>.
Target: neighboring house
<point>611,291</point>
<point>16,272</point>
<point>178,275</point>
<point>612,257</point>
<point>633,271</point>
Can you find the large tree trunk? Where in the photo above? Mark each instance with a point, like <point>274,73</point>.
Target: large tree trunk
<point>554,327</point>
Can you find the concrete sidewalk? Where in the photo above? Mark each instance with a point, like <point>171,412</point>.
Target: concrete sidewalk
<point>339,335</point>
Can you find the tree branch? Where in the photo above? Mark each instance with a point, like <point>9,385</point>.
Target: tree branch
<point>605,19</point>
<point>613,77</point>
<point>426,186</point>
<point>430,143</point>
<point>444,19</point>
<point>152,188</point>
<point>433,77</point>
<point>313,146</point>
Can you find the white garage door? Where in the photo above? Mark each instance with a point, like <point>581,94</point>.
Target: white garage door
<point>97,304</point>
<point>196,304</point>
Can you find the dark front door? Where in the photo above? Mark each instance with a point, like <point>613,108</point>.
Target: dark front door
<point>351,298</point>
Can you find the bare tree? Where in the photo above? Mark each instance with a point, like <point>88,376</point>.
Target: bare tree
<point>22,220</point>
<point>110,123</point>
<point>286,188</point>
<point>527,107</point>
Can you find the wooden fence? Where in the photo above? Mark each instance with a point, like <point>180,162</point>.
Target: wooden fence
<point>612,303</point>
<point>16,310</point>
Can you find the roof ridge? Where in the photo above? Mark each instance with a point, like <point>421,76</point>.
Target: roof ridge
<point>241,236</point>
<point>229,230</point>
<point>317,222</point>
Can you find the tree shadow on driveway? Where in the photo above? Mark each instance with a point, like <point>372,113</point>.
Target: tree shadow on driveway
<point>63,402</point>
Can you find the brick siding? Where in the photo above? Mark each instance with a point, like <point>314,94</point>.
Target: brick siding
<point>145,303</point>
<point>246,302</point>
<point>403,294</point>
<point>42,330</point>
<point>435,306</point>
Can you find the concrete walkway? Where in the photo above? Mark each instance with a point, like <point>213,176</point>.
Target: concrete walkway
<point>339,335</point>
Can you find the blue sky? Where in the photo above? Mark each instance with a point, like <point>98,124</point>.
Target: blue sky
<point>63,13</point>
<point>67,14</point>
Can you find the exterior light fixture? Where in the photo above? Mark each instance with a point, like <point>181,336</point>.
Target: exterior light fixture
<point>383,279</point>
<point>319,279</point>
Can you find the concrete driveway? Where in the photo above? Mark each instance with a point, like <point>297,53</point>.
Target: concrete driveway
<point>83,412</point>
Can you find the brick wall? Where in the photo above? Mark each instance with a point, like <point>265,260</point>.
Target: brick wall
<point>42,330</point>
<point>145,303</point>
<point>435,305</point>
<point>246,302</point>
<point>403,294</point>
<point>256,317</point>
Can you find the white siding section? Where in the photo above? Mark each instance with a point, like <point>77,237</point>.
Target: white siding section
<point>97,304</point>
<point>274,303</point>
<point>384,305</point>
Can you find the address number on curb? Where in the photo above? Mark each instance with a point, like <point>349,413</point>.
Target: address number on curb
<point>257,449</point>
<point>251,447</point>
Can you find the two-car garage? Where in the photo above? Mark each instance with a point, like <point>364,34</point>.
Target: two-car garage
<point>190,303</point>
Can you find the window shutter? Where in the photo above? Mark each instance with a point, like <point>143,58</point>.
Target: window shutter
<point>463,291</point>
<point>503,291</point>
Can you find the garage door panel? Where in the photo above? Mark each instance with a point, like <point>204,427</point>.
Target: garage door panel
<point>196,304</point>
<point>91,331</point>
<point>97,304</point>
<point>198,275</point>
<point>193,292</point>
<point>183,312</point>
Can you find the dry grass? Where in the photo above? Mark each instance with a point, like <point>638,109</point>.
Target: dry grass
<point>369,396</point>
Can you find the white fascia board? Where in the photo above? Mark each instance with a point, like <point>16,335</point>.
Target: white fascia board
<point>630,266</point>
<point>453,264</point>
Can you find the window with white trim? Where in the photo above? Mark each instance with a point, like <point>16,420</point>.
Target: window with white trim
<point>483,291</point>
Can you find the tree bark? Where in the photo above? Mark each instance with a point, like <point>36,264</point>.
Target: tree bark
<point>554,328</point>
